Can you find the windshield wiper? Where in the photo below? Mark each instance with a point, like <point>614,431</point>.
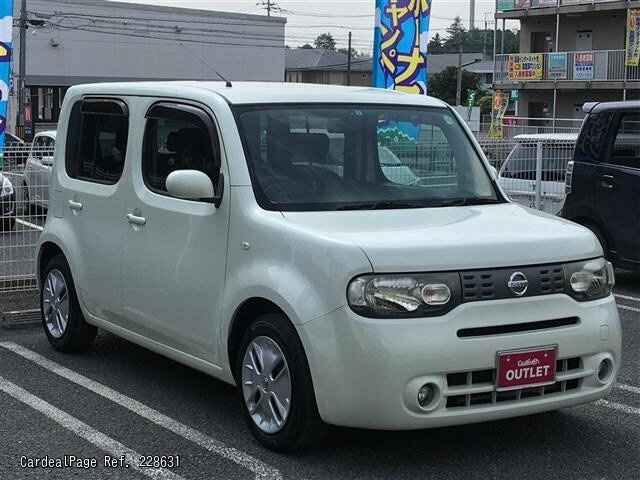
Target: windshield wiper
<point>460,202</point>
<point>381,205</point>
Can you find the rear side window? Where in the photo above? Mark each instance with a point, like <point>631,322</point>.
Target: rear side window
<point>97,140</point>
<point>593,138</point>
<point>626,147</point>
<point>178,137</point>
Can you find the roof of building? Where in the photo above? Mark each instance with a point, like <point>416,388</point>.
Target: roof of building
<point>320,59</point>
<point>259,92</point>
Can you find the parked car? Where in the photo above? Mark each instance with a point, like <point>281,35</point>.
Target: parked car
<point>37,170</point>
<point>518,177</point>
<point>604,178</point>
<point>7,204</point>
<point>192,218</point>
<point>15,150</point>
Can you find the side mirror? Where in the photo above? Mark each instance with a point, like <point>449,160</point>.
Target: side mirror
<point>194,185</point>
<point>47,161</point>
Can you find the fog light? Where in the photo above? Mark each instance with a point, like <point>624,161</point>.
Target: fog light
<point>437,294</point>
<point>605,370</point>
<point>426,394</point>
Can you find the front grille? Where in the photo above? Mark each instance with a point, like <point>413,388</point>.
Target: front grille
<point>477,387</point>
<point>478,285</point>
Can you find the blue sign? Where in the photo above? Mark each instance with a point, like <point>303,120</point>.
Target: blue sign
<point>557,66</point>
<point>400,45</point>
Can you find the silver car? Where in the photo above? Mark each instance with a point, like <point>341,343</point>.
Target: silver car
<point>37,170</point>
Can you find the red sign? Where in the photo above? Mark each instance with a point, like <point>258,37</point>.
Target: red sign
<point>526,368</point>
<point>27,113</point>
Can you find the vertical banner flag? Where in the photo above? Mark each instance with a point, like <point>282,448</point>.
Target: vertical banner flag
<point>6,32</point>
<point>471,101</point>
<point>400,45</point>
<point>499,108</point>
<point>633,37</point>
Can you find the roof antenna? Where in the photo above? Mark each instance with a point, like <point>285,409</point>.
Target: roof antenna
<point>228,83</point>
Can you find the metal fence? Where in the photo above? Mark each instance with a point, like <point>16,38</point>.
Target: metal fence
<point>531,172</point>
<point>23,203</point>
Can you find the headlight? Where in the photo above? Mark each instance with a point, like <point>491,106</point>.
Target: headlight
<point>589,280</point>
<point>7,188</point>
<point>424,295</point>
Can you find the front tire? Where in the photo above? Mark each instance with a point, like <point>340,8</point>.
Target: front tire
<point>62,319</point>
<point>275,387</point>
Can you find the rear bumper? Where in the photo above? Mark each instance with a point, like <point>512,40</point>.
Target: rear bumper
<point>367,372</point>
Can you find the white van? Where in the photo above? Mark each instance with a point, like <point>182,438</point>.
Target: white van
<point>197,220</point>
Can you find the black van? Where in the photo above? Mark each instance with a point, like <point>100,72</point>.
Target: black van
<point>603,180</point>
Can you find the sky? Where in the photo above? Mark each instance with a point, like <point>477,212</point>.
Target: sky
<point>306,19</point>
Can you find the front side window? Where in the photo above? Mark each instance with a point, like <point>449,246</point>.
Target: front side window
<point>177,138</point>
<point>97,141</point>
<point>348,157</point>
<point>626,148</point>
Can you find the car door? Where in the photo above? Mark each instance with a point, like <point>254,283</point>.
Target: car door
<point>44,174</point>
<point>33,168</point>
<point>618,187</point>
<point>174,249</point>
<point>90,199</point>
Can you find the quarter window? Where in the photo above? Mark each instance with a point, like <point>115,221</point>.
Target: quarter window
<point>626,148</point>
<point>178,137</point>
<point>97,153</point>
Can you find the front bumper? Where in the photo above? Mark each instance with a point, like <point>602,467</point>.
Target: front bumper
<point>8,206</point>
<point>367,372</point>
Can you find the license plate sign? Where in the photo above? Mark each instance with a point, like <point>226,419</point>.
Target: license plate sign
<point>525,368</point>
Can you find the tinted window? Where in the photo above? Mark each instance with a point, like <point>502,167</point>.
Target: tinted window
<point>176,139</point>
<point>347,157</point>
<point>593,137</point>
<point>626,147</point>
<point>98,152</point>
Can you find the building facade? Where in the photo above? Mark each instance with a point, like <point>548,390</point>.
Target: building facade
<point>70,42</point>
<point>572,51</point>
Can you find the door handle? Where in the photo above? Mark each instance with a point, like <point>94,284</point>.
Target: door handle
<point>75,206</point>
<point>135,220</point>
<point>607,182</point>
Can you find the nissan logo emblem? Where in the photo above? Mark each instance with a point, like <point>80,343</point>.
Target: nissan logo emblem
<point>518,283</point>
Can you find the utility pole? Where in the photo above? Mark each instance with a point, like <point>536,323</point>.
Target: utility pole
<point>349,62</point>
<point>459,88</point>
<point>472,14</point>
<point>23,65</point>
<point>269,5</point>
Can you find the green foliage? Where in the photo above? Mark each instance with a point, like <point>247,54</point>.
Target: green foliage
<point>444,84</point>
<point>306,45</point>
<point>326,41</point>
<point>484,103</point>
<point>473,41</point>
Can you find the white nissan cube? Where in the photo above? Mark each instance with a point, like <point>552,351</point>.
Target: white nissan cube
<point>253,232</point>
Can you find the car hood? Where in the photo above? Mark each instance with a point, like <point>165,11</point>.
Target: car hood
<point>458,238</point>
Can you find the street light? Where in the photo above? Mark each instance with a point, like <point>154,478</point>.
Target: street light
<point>460,66</point>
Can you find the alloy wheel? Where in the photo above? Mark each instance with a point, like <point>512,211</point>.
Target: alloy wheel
<point>55,303</point>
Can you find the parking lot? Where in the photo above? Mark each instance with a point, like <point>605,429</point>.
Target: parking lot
<point>120,398</point>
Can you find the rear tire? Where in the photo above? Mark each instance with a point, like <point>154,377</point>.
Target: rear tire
<point>8,224</point>
<point>62,319</point>
<point>273,339</point>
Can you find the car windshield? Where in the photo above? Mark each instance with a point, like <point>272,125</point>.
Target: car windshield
<point>349,157</point>
<point>521,162</point>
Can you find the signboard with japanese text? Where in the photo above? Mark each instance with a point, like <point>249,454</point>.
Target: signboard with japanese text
<point>6,38</point>
<point>400,45</point>
<point>498,109</point>
<point>583,66</point>
<point>632,57</point>
<point>557,66</point>
<point>505,5</point>
<point>526,66</point>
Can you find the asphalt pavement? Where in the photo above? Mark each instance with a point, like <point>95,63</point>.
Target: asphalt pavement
<point>122,398</point>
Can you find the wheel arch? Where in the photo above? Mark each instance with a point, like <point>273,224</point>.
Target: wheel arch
<point>47,251</point>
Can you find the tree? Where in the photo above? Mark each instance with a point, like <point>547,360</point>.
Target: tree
<point>435,45</point>
<point>354,53</point>
<point>306,45</point>
<point>485,103</point>
<point>457,34</point>
<point>326,41</point>
<point>443,85</point>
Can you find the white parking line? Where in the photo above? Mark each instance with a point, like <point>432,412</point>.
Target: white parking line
<point>260,469</point>
<point>28,224</point>
<point>626,297</point>
<point>81,429</point>
<point>628,388</point>
<point>631,309</point>
<point>620,407</point>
